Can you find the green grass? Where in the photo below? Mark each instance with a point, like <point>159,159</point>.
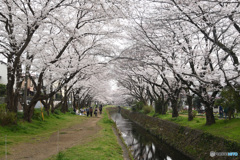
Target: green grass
<point>228,129</point>
<point>37,130</point>
<point>103,146</point>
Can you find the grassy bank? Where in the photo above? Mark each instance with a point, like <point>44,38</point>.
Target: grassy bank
<point>103,146</point>
<point>37,130</point>
<point>228,129</point>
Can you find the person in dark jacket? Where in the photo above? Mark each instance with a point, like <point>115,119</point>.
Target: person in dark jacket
<point>90,111</point>
<point>100,109</point>
<point>95,112</point>
<point>87,110</point>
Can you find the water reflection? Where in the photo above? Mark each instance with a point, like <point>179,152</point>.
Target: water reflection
<point>143,145</point>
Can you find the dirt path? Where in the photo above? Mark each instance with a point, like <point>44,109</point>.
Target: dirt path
<point>67,138</point>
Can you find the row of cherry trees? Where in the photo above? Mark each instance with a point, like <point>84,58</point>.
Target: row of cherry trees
<point>188,48</point>
<point>57,41</point>
<point>169,49</point>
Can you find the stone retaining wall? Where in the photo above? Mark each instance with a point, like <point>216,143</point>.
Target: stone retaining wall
<point>194,143</point>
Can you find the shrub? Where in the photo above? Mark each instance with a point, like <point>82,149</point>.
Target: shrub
<point>57,111</point>
<point>7,118</point>
<point>37,114</point>
<point>184,111</point>
<point>139,105</point>
<point>3,90</point>
<point>147,109</point>
<point>3,107</point>
<point>194,113</point>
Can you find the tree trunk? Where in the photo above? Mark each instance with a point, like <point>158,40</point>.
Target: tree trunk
<point>190,114</point>
<point>14,73</point>
<point>47,105</point>
<point>28,113</point>
<point>229,114</point>
<point>56,107</point>
<point>50,102</point>
<point>64,108</point>
<point>89,103</point>
<point>174,108</point>
<point>209,116</point>
<point>165,107</point>
<point>29,110</point>
<point>74,102</point>
<point>11,96</point>
<point>158,106</point>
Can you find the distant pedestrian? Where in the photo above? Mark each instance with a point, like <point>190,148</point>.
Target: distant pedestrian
<point>100,109</point>
<point>87,110</point>
<point>95,112</point>
<point>119,109</point>
<point>221,111</point>
<point>225,112</point>
<point>90,111</point>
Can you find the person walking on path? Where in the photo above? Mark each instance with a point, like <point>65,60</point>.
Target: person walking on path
<point>91,111</point>
<point>100,109</point>
<point>119,109</point>
<point>87,110</point>
<point>95,112</point>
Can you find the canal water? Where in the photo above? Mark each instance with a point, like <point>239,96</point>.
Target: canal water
<point>144,146</point>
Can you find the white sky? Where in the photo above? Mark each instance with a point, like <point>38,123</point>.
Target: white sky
<point>113,84</point>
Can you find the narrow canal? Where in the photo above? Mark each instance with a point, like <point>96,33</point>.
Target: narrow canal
<point>144,146</point>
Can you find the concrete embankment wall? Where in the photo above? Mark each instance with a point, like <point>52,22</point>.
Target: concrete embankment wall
<point>194,143</point>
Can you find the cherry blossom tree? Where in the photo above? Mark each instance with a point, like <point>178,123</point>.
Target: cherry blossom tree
<point>56,40</point>
<point>19,22</point>
<point>156,50</point>
<point>193,40</point>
